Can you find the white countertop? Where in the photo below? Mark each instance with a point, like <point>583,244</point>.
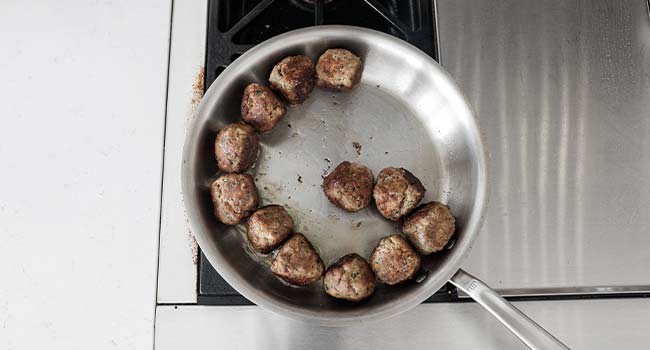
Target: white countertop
<point>83,109</point>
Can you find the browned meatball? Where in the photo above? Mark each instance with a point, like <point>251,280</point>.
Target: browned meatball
<point>393,260</point>
<point>349,186</point>
<point>234,197</point>
<point>293,77</point>
<point>397,192</point>
<point>297,262</point>
<point>430,227</point>
<point>236,147</point>
<point>268,227</point>
<point>261,108</point>
<point>350,278</point>
<point>338,69</point>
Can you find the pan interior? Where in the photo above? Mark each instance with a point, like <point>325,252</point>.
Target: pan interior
<point>404,113</point>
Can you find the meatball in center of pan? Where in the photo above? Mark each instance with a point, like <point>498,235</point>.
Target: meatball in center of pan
<point>349,186</point>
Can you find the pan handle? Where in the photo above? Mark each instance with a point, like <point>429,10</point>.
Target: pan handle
<point>532,334</point>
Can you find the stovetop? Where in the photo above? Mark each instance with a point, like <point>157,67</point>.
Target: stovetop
<point>235,26</point>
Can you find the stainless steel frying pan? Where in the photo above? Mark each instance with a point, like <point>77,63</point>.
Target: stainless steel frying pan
<point>406,112</point>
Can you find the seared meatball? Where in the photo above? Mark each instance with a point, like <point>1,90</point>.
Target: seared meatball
<point>297,262</point>
<point>430,227</point>
<point>261,108</point>
<point>234,197</point>
<point>293,77</point>
<point>338,69</point>
<point>397,192</point>
<point>268,227</point>
<point>350,278</point>
<point>349,186</point>
<point>393,260</point>
<point>236,147</point>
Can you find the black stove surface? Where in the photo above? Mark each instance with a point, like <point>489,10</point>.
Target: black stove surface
<point>234,26</point>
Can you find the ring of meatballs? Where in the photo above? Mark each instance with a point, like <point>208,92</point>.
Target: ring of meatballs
<point>294,78</point>
<point>338,69</point>
<point>397,192</point>
<point>349,186</point>
<point>234,197</point>
<point>430,227</point>
<point>268,227</point>
<point>349,278</point>
<point>236,148</point>
<point>297,262</point>
<point>260,108</point>
<point>393,260</point>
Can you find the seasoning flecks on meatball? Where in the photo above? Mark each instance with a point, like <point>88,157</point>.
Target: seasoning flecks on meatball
<point>268,227</point>
<point>393,260</point>
<point>234,197</point>
<point>350,278</point>
<point>397,192</point>
<point>297,262</point>
<point>261,108</point>
<point>236,148</point>
<point>430,227</point>
<point>294,78</point>
<point>349,186</point>
<point>338,69</point>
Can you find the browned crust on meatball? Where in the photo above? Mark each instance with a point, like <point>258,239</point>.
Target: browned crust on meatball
<point>268,227</point>
<point>261,108</point>
<point>397,192</point>
<point>338,69</point>
<point>350,278</point>
<point>394,261</point>
<point>236,147</point>
<point>234,197</point>
<point>349,186</point>
<point>297,262</point>
<point>430,227</point>
<point>294,78</point>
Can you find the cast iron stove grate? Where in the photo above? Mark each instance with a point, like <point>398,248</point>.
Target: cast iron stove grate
<point>234,26</point>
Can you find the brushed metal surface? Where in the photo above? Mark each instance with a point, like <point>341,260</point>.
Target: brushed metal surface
<point>601,324</point>
<point>562,92</point>
<point>406,112</point>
